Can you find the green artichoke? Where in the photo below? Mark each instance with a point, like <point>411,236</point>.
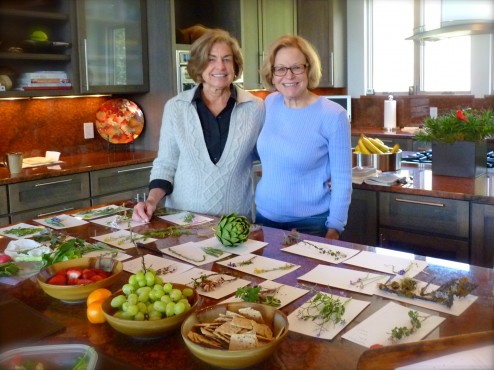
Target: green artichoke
<point>233,230</point>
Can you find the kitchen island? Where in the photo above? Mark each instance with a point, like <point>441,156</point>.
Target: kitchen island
<point>296,352</point>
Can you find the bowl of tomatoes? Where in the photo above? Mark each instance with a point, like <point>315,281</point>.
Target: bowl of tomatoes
<point>72,281</point>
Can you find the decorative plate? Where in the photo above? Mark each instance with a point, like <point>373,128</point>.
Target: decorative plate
<point>119,121</point>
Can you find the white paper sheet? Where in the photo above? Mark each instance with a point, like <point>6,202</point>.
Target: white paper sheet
<point>164,267</point>
<point>192,253</point>
<point>179,218</point>
<point>248,246</point>
<point>120,256</point>
<point>329,330</point>
<point>229,286</point>
<point>264,267</point>
<point>321,251</point>
<point>117,222</point>
<point>387,263</point>
<point>343,278</point>
<point>99,212</point>
<point>6,230</point>
<point>459,304</point>
<point>65,221</point>
<point>376,329</point>
<point>122,239</point>
<point>285,293</point>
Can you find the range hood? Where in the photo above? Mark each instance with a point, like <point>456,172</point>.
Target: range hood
<point>455,29</point>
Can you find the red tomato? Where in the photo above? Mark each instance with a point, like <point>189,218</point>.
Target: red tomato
<point>57,280</point>
<point>5,258</point>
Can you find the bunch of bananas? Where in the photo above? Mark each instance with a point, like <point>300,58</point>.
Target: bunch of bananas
<point>368,145</point>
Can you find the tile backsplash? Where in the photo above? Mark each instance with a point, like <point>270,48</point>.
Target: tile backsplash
<point>33,126</point>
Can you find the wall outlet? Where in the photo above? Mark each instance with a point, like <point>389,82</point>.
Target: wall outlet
<point>88,130</point>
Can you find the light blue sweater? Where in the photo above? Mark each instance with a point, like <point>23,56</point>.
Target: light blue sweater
<point>199,185</point>
<point>302,151</point>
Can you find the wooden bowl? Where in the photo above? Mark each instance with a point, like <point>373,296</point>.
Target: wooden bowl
<point>225,358</point>
<point>79,293</point>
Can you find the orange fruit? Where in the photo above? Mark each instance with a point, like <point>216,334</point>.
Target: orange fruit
<point>100,294</point>
<point>95,313</point>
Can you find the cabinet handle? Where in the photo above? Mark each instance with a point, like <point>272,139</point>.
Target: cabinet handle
<point>52,183</point>
<point>420,202</point>
<point>134,169</point>
<point>332,68</point>
<point>59,211</point>
<point>86,73</point>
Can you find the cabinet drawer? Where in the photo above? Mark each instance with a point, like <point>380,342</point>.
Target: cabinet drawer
<point>48,211</point>
<point>115,180</point>
<point>425,245</point>
<point>424,214</point>
<point>3,200</point>
<point>48,192</point>
<point>125,195</point>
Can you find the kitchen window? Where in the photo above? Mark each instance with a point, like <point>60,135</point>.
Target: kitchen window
<point>449,65</point>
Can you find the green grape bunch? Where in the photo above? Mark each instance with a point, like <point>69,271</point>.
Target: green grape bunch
<point>147,297</point>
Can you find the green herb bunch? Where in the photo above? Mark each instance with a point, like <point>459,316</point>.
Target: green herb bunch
<point>461,125</point>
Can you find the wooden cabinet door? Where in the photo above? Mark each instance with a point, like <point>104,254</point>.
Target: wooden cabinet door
<point>482,239</point>
<point>362,225</point>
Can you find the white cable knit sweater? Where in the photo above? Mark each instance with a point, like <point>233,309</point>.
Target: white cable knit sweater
<point>199,185</point>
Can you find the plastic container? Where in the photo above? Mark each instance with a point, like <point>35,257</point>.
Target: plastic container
<point>53,357</point>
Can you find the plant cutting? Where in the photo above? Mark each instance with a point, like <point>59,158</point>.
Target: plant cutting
<point>461,125</point>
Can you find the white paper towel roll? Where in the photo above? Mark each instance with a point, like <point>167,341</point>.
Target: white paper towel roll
<point>390,113</point>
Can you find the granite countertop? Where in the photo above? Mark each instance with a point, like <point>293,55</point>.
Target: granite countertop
<point>79,163</point>
<point>421,181</point>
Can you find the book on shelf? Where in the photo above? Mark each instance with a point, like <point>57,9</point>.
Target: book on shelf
<point>43,74</point>
<point>34,81</point>
<point>31,88</point>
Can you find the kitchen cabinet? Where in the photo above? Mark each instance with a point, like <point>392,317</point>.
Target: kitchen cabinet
<point>482,237</point>
<point>119,183</point>
<point>323,23</point>
<point>423,225</point>
<point>19,54</point>
<point>113,43</point>
<point>263,22</point>
<point>362,224</point>
<point>4,208</point>
<point>38,198</point>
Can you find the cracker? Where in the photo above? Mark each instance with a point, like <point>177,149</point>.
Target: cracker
<point>250,313</point>
<point>242,322</point>
<point>243,341</point>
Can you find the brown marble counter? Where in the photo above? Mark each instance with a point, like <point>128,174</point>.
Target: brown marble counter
<point>78,163</point>
<point>422,181</point>
<point>296,352</point>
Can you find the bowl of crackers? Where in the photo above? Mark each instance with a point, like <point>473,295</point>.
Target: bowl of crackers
<point>235,335</point>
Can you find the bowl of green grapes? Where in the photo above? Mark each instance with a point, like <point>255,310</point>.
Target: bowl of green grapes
<point>147,307</point>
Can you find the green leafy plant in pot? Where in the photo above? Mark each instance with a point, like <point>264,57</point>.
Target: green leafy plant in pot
<point>232,230</point>
<point>458,141</point>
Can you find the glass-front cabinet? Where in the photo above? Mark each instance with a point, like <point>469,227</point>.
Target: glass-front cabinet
<point>113,46</point>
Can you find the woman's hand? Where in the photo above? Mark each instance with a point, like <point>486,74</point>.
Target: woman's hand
<point>332,234</point>
<point>143,211</point>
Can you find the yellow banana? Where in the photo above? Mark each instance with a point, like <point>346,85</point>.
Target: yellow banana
<point>362,147</point>
<point>371,147</point>
<point>379,144</point>
<point>395,149</point>
<point>357,149</point>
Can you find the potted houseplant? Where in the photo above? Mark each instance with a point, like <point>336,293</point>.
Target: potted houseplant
<point>458,141</point>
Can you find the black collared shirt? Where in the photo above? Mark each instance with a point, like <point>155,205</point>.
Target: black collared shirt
<point>215,129</point>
